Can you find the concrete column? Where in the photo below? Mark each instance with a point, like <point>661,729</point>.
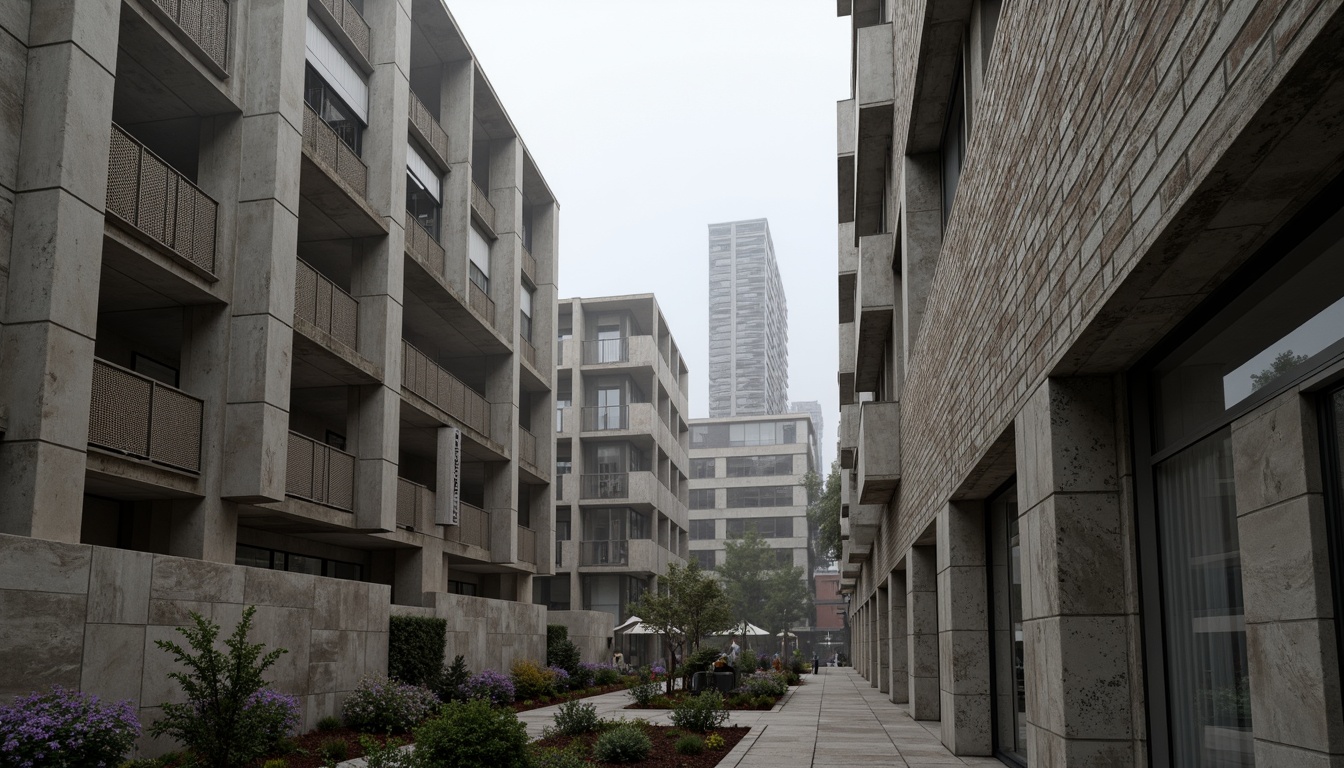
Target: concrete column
<point>963,629</point>
<point>883,613</point>
<point>921,238</point>
<point>900,646</point>
<point>51,309</point>
<point>1079,633</point>
<point>1285,569</point>
<point>257,412</point>
<point>874,642</point>
<point>860,640</point>
<point>418,571</point>
<point>921,583</point>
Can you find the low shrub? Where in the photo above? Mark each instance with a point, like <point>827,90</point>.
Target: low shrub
<point>572,756</point>
<point>449,685</point>
<point>561,651</point>
<point>415,649</point>
<point>63,728</point>
<point>380,705</point>
<point>690,745</point>
<point>275,715</point>
<point>560,678</point>
<point>575,718</point>
<point>702,659</point>
<point>606,674</point>
<point>715,741</point>
<point>489,685</point>
<point>701,713</point>
<point>472,734</point>
<point>277,762</point>
<point>747,661</point>
<point>627,743</point>
<point>584,677</point>
<point>531,681</point>
<point>333,750</point>
<point>387,754</point>
<point>329,723</point>
<point>645,688</point>
<point>764,684</point>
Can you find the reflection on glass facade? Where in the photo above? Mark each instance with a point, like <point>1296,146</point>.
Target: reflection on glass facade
<point>1010,698</point>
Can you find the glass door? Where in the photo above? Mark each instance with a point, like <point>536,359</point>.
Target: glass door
<point>1010,696</point>
<point>609,408</point>
<point>609,344</point>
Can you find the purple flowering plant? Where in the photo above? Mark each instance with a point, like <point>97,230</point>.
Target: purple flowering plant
<point>380,705</point>
<point>561,677</point>
<point>275,713</point>
<point>66,729</point>
<point>492,686</point>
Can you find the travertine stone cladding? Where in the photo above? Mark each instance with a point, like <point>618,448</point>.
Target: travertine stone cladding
<point>491,634</point>
<point>589,630</point>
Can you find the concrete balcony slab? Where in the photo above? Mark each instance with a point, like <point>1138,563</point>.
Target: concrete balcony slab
<point>876,294</point>
<point>879,459</point>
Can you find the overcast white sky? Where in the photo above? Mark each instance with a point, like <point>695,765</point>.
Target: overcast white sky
<point>652,120</point>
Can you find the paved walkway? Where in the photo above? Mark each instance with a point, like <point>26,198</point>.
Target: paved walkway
<point>834,720</point>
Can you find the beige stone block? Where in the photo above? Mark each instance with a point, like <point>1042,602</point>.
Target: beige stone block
<point>1295,684</point>
<point>278,588</point>
<point>961,598</point>
<point>1080,557</point>
<point>1271,755</point>
<point>1272,456</point>
<point>1080,669</point>
<point>89,24</point>
<point>924,656</point>
<point>113,661</point>
<point>287,628</point>
<point>67,118</point>
<point>176,578</point>
<point>961,535</point>
<point>339,604</point>
<point>965,724</point>
<point>964,662</point>
<point>1285,565</point>
<point>925,698</point>
<point>156,688</point>
<point>375,654</point>
<point>119,586</point>
<point>38,565</point>
<point>177,613</point>
<point>41,640</point>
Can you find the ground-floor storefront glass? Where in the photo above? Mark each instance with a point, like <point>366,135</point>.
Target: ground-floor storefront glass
<point>1010,699</point>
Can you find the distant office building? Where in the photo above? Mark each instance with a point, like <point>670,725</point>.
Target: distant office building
<point>748,322</point>
<point>813,408</point>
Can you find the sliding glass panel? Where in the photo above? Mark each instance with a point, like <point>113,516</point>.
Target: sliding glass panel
<point>1010,698</point>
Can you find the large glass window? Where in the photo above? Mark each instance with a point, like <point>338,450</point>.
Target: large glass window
<point>759,466</point>
<point>479,254</point>
<point>702,468</point>
<point>761,496</point>
<point>260,557</point>
<point>333,109</point>
<point>745,434</point>
<point>423,205</point>
<point>766,527</point>
<point>525,313</point>
<point>954,143</point>
<point>1010,696</point>
<point>701,498</point>
<point>1332,434</point>
<point>702,530</point>
<point>703,558</point>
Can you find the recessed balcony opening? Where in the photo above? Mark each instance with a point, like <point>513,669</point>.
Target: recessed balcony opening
<point>321,455</point>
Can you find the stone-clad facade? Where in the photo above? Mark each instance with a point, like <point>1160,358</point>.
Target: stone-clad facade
<point>277,289</point>
<point>1083,258</point>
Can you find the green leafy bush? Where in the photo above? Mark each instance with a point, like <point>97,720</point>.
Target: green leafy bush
<point>329,723</point>
<point>66,728</point>
<point>563,653</point>
<point>701,713</point>
<point>415,649</point>
<point>219,722</point>
<point>333,750</point>
<point>646,689</point>
<point>715,741</point>
<point>572,756</point>
<point>690,745</point>
<point>380,705</point>
<point>702,659</point>
<point>531,681</point>
<point>764,684</point>
<point>627,743</point>
<point>278,762</point>
<point>388,754</point>
<point>574,718</point>
<point>449,685</point>
<point>747,661</point>
<point>473,734</point>
<point>606,674</point>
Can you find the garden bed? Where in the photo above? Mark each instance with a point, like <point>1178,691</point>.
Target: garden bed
<point>664,753</point>
<point>737,702</point>
<point>524,706</point>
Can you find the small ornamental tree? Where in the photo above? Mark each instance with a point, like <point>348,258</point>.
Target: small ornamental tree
<point>223,723</point>
<point>693,606</point>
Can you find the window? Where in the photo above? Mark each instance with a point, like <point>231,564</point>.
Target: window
<point>702,530</point>
<point>744,434</point>
<point>260,557</point>
<point>527,227</point>
<point>463,588</point>
<point>1009,682</point>
<point>525,313</point>
<point>759,466</point>
<point>564,466</point>
<point>1332,437</point>
<point>954,143</point>
<point>701,498</point>
<point>333,109</point>
<point>609,347</point>
<point>424,188</point>
<point>761,496</point>
<point>765,527</point>
<point>703,558</point>
<point>479,253</point>
<point>702,468</point>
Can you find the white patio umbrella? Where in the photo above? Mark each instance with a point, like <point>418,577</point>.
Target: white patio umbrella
<point>745,629</point>
<point>633,620</point>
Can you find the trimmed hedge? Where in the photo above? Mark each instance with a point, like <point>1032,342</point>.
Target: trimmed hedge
<point>415,649</point>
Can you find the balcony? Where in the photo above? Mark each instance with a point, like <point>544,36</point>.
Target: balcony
<point>527,545</point>
<point>529,265</point>
<point>635,555</point>
<point>564,420</point>
<point>327,149</point>
<point>481,303</point>
<point>527,446</point>
<point>844,134</point>
<point>482,207</point>
<point>422,246</point>
<point>425,378</point>
<point>604,552</point>
<point>844,375</point>
<point>627,350</point>
<point>879,460</point>
<point>636,488</point>
<point>415,502</point>
<point>529,352</point>
<point>876,289</point>
<point>348,20</point>
<point>863,522</point>
<point>473,527</point>
<point>636,417</point>
<point>849,435</point>
<point>875,94</point>
<point>323,303</point>
<point>426,129</point>
<point>203,24</point>
<point>142,418</point>
<point>160,204</point>
<point>564,488</point>
<point>320,473</point>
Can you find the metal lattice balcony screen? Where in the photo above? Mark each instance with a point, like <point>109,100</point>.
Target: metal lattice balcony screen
<point>527,545</point>
<point>206,23</point>
<point>320,473</point>
<point>323,303</point>
<point>442,389</point>
<point>480,302</point>
<point>422,245</point>
<point>428,126</point>
<point>326,147</point>
<point>351,23</point>
<point>473,527</point>
<point>609,485</point>
<point>606,351</point>
<point>599,418</point>
<point>145,192</point>
<point>140,417</point>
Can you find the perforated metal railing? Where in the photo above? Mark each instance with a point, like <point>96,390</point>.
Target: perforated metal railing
<point>422,245</point>
<point>206,22</point>
<point>354,25</point>
<point>323,303</point>
<point>141,417</point>
<point>473,526</point>
<point>480,302</point>
<point>527,446</point>
<point>445,391</point>
<point>322,142</point>
<point>424,121</point>
<point>320,473</point>
<point>481,202</point>
<point>527,545</point>
<point>529,351</point>
<point>146,192</point>
<point>412,499</point>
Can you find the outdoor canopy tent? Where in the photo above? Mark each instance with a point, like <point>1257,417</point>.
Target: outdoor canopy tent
<point>745,629</point>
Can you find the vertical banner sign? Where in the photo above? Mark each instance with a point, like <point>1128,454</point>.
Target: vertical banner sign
<point>447,502</point>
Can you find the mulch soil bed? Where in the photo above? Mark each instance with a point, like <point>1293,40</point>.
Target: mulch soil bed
<point>519,706</point>
<point>668,702</point>
<point>664,753</point>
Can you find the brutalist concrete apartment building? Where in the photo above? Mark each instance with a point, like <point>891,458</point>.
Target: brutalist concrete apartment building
<point>620,457</point>
<point>1091,264</point>
<point>748,322</point>
<point>279,292</point>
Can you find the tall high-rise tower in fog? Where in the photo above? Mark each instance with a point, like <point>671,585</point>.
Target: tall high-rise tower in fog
<point>748,322</point>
